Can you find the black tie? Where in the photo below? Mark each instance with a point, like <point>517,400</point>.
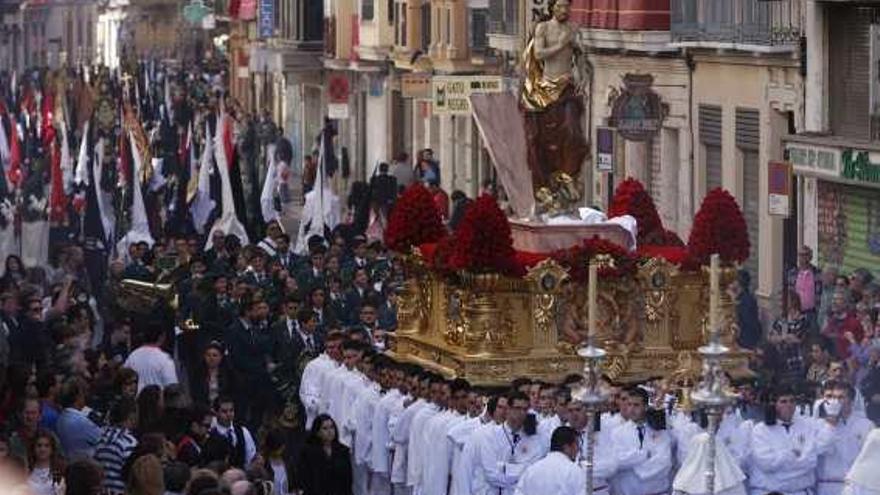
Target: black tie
<point>309,346</point>
<point>787,427</point>
<point>515,438</point>
<point>641,435</point>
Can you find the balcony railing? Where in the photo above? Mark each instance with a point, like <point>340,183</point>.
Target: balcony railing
<point>504,17</point>
<point>775,23</point>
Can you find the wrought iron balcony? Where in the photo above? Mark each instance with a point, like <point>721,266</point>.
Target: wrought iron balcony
<point>756,23</point>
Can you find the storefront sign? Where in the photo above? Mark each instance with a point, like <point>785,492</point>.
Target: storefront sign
<point>267,18</point>
<point>415,86</point>
<point>604,149</point>
<point>779,188</point>
<point>806,158</point>
<point>337,111</point>
<point>857,166</point>
<point>451,95</point>
<point>638,111</point>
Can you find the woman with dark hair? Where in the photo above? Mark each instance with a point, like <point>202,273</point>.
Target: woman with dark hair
<point>324,467</point>
<point>46,464</point>
<point>213,377</point>
<point>277,463</point>
<point>13,272</point>
<point>150,408</point>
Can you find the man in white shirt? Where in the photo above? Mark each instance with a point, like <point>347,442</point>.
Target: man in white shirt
<point>642,451</point>
<point>152,365</point>
<point>556,474</point>
<point>507,449</point>
<point>437,465</point>
<point>401,427</point>
<point>390,404</point>
<point>784,450</point>
<point>604,461</point>
<point>359,420</point>
<point>241,442</point>
<point>312,384</point>
<point>418,448</point>
<point>845,433</point>
<point>467,479</point>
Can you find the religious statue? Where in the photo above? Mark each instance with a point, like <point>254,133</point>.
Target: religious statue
<point>551,100</point>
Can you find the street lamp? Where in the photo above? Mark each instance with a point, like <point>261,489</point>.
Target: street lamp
<point>590,393</point>
<point>711,395</point>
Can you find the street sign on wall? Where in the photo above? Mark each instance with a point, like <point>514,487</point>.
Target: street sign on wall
<point>779,188</point>
<point>451,94</point>
<point>604,149</point>
<point>415,86</point>
<point>267,18</point>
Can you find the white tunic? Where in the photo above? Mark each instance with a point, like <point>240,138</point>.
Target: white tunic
<point>310,387</point>
<point>400,437</point>
<point>466,478</point>
<point>437,463</point>
<point>784,460</point>
<point>555,474</point>
<point>734,433</point>
<point>380,458</point>
<point>547,424</point>
<point>643,469</point>
<point>360,421</point>
<point>416,449</point>
<point>604,460</point>
<point>504,456</point>
<point>837,454</point>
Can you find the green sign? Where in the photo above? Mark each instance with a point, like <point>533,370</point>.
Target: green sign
<point>857,166</point>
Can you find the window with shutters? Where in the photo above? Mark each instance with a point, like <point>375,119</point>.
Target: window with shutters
<point>367,10</point>
<point>710,139</point>
<point>426,26</point>
<point>479,27</point>
<point>849,38</point>
<point>390,12</point>
<point>748,142</point>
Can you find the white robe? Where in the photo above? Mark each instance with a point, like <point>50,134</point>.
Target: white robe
<point>437,465</point>
<point>380,453</point>
<point>732,432</point>
<point>360,421</point>
<point>691,478</point>
<point>503,461</point>
<point>863,477</point>
<point>604,460</point>
<point>838,454</point>
<point>554,474</point>
<point>466,478</point>
<point>400,433</point>
<point>642,469</point>
<point>416,449</point>
<point>775,466</point>
<point>310,389</point>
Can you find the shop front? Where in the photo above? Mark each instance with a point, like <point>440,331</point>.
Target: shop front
<point>838,200</point>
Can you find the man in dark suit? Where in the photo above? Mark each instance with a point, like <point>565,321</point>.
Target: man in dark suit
<point>337,302</point>
<point>285,257</point>
<point>383,188</point>
<point>357,259</point>
<point>313,275</point>
<point>359,292</point>
<point>249,345</point>
<point>137,269</point>
<point>285,332</point>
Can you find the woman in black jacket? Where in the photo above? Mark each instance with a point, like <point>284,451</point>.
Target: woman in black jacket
<point>324,467</point>
<point>212,378</point>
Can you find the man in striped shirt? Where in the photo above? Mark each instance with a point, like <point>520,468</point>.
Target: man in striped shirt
<point>116,445</point>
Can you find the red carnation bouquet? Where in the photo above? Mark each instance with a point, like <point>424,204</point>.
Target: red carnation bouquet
<point>483,242</point>
<point>414,220</point>
<point>719,227</point>
<point>631,198</point>
<point>577,259</point>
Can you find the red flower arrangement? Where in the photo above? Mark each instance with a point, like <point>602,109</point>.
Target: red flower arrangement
<point>483,242</point>
<point>577,259</point>
<point>631,198</point>
<point>719,227</point>
<point>413,221</point>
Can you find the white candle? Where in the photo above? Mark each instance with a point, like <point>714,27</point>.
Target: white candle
<point>591,308</point>
<point>714,291</point>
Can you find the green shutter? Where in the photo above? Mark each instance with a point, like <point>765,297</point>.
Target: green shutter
<point>855,228</point>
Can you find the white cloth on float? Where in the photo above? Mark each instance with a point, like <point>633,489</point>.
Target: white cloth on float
<point>691,478</point>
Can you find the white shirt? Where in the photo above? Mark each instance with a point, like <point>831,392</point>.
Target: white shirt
<point>837,454</point>
<point>547,424</point>
<point>643,468</point>
<point>604,460</point>
<point>783,459</point>
<point>504,456</point>
<point>250,448</point>
<point>361,422</point>
<point>153,367</point>
<point>555,474</point>
<point>732,432</point>
<point>467,479</point>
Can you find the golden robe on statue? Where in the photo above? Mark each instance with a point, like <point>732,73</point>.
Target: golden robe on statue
<point>553,110</point>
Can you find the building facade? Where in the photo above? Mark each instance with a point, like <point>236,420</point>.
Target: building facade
<point>39,33</point>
